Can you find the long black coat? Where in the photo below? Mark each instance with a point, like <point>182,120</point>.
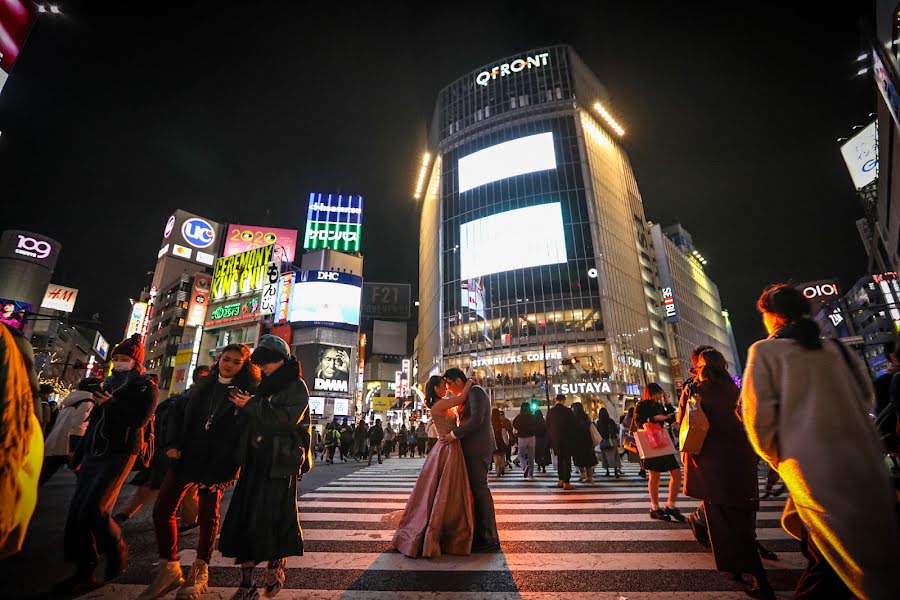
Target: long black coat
<point>118,426</point>
<point>561,429</point>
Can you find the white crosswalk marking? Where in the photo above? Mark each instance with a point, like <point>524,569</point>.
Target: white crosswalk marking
<point>596,542</point>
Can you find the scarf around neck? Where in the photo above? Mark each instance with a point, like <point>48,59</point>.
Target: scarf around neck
<point>288,373</point>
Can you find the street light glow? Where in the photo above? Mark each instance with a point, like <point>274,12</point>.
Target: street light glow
<point>863,71</point>
<point>423,170</point>
<point>42,8</point>
<point>609,119</point>
<point>54,9</point>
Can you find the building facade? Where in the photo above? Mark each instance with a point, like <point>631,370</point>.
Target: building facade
<point>873,304</point>
<point>691,302</point>
<point>534,246</point>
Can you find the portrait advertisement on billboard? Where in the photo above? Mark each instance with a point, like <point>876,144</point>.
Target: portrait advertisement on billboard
<point>240,238</point>
<point>16,19</point>
<point>14,313</point>
<point>326,367</point>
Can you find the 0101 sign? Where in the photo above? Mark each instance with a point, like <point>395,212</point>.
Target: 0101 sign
<point>821,290</point>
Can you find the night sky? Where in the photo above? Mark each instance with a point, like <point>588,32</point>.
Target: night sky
<point>236,111</point>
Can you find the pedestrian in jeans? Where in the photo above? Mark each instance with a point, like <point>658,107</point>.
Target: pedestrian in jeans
<point>650,410</point>
<point>525,425</point>
<point>411,442</point>
<point>204,430</point>
<point>421,438</point>
<point>376,439</point>
<point>262,523</point>
<point>723,475</point>
<point>115,436</point>
<point>805,404</point>
<point>609,442</point>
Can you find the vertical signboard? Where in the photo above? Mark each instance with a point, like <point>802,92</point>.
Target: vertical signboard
<point>137,319</point>
<point>861,156</point>
<point>333,221</point>
<point>199,300</point>
<point>269,298</point>
<point>283,300</point>
<point>16,19</point>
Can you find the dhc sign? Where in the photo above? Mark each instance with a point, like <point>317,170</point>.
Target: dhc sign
<point>516,66</point>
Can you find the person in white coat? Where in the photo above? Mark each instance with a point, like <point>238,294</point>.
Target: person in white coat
<point>71,423</point>
<point>805,404</point>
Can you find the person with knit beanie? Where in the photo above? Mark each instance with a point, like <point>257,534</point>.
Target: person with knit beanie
<point>262,524</point>
<point>115,436</point>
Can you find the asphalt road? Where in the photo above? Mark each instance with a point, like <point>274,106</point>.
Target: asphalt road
<point>594,542</point>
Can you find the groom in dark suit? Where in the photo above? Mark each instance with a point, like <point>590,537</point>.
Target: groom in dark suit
<point>476,436</point>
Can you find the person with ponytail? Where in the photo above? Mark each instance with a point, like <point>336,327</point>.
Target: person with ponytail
<point>439,516</point>
<point>202,432</point>
<point>805,404</point>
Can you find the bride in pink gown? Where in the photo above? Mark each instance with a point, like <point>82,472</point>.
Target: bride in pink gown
<point>438,518</point>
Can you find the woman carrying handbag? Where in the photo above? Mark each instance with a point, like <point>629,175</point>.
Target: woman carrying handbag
<point>650,411</point>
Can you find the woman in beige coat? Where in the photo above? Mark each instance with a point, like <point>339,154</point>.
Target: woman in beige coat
<point>805,404</point>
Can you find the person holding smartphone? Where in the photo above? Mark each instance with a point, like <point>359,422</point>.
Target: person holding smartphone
<point>203,431</point>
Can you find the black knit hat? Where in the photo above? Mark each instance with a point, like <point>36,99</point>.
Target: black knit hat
<point>132,347</point>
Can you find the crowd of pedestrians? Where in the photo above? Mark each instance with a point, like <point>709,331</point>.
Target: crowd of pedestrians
<point>804,415</point>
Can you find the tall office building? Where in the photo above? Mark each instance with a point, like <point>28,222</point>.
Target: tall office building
<point>691,304</point>
<point>533,240</point>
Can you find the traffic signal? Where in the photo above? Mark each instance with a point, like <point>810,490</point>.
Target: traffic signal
<point>535,405</point>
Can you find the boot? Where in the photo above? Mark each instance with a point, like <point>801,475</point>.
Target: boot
<point>116,560</point>
<point>607,472</point>
<point>759,588</point>
<point>168,578</point>
<point>196,582</point>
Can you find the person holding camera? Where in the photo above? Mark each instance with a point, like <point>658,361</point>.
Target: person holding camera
<point>116,434</point>
<point>203,431</point>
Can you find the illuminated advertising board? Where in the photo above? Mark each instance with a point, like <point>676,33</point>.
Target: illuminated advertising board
<point>516,157</point>
<point>861,155</point>
<point>325,298</point>
<point>16,19</point>
<point>199,300</point>
<point>283,300</point>
<point>269,297</point>
<point>30,247</point>
<point>327,367</point>
<point>14,313</point>
<point>515,239</point>
<point>341,407</point>
<point>668,300</point>
<point>317,405</point>
<point>240,238</point>
<point>233,312</point>
<point>333,221</point>
<point>514,66</point>
<point>101,346</point>
<point>241,273</point>
<point>137,319</point>
<point>60,297</point>
<point>191,237</point>
<point>386,300</point>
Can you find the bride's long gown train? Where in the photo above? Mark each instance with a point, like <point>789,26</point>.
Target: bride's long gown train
<point>438,518</point>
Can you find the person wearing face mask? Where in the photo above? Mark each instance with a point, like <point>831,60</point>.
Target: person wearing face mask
<point>262,524</point>
<point>204,429</point>
<point>123,406</point>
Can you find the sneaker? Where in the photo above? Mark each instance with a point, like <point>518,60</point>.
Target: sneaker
<point>274,580</point>
<point>196,582</point>
<point>168,578</point>
<point>246,593</point>
<point>675,514</point>
<point>660,515</point>
<point>699,533</point>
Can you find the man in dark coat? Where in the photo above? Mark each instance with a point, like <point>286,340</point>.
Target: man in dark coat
<point>476,435</point>
<point>376,438</point>
<point>562,429</point>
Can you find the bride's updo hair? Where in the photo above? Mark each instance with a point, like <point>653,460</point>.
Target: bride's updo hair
<point>431,395</point>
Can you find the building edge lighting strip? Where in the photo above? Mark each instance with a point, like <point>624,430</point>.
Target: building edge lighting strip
<point>609,119</point>
<point>423,171</point>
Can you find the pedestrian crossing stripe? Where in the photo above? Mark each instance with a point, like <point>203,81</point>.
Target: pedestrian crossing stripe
<point>640,517</point>
<point>500,506</point>
<point>533,535</point>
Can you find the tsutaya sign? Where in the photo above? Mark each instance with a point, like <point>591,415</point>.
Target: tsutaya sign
<point>510,359</point>
<point>515,66</point>
<point>587,387</point>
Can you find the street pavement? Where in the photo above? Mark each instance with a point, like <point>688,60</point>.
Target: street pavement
<point>594,542</point>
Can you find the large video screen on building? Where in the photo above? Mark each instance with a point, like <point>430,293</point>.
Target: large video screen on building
<point>515,157</point>
<point>515,239</point>
<point>325,298</point>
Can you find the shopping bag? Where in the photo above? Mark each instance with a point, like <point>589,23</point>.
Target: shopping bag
<point>694,427</point>
<point>646,449</point>
<point>595,435</point>
<point>655,435</point>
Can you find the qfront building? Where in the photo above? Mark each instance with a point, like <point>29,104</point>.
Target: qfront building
<point>534,247</point>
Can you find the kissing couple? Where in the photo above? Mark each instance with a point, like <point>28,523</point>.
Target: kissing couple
<point>450,509</point>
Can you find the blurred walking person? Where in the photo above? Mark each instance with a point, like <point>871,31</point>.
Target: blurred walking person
<point>583,444</point>
<point>403,440</point>
<point>346,444</point>
<point>541,442</point>
<point>626,434</point>
<point>115,436</point>
<point>651,410</point>
<point>332,441</point>
<point>501,442</point>
<point>204,430</point>
<point>421,438</point>
<point>802,396</point>
<point>561,429</point>
<point>389,436</point>
<point>69,429</point>
<point>723,475</point>
<point>609,442</point>
<point>262,523</point>
<point>526,426</point>
<point>360,439</point>
<point>376,439</point>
